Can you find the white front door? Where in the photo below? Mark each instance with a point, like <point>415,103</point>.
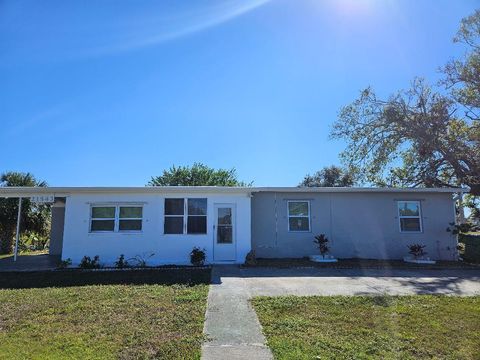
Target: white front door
<point>224,233</point>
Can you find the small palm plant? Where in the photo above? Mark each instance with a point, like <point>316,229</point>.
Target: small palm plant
<point>417,250</point>
<point>322,243</point>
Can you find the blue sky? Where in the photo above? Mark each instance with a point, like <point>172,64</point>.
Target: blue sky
<point>112,92</point>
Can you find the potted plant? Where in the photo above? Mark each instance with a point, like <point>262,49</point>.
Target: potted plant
<point>417,255</point>
<point>322,243</point>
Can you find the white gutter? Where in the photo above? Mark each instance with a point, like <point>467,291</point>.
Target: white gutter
<point>65,191</point>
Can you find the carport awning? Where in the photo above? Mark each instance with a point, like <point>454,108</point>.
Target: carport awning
<point>22,194</point>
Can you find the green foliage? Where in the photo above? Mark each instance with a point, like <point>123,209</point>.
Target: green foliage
<point>417,250</point>
<point>370,327</point>
<point>32,241</point>
<point>471,248</point>
<point>140,260</point>
<point>65,263</point>
<point>472,203</point>
<point>88,263</point>
<point>462,76</point>
<point>251,258</point>
<point>121,263</point>
<point>34,218</point>
<point>197,256</point>
<point>462,228</point>
<point>421,128</point>
<point>197,175</point>
<point>322,242</point>
<point>330,176</point>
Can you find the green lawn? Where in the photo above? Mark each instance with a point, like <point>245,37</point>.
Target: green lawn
<point>411,327</point>
<point>102,322</point>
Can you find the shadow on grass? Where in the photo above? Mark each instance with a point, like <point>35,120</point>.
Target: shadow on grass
<point>66,278</point>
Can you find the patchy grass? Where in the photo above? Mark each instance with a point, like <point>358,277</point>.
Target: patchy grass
<point>361,327</point>
<point>27,253</point>
<point>103,322</point>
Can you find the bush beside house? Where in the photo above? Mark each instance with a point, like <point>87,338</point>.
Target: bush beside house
<point>471,244</point>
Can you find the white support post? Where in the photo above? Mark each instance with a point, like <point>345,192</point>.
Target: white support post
<point>461,211</point>
<point>17,234</point>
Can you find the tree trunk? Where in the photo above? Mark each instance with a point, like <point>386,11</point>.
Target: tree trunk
<point>474,189</point>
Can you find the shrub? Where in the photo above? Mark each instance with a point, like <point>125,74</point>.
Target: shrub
<point>88,263</point>
<point>197,256</point>
<point>65,263</point>
<point>471,248</point>
<point>140,260</point>
<point>251,258</point>
<point>417,250</point>
<point>462,228</point>
<point>121,263</point>
<point>322,241</point>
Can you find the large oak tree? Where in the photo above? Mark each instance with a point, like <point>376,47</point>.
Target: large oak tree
<point>420,136</point>
<point>329,176</point>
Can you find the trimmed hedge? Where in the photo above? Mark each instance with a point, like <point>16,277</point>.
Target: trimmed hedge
<point>472,247</point>
<point>77,277</point>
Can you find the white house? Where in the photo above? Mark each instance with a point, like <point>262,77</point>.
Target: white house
<point>163,224</point>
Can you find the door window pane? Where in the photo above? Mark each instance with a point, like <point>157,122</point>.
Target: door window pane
<point>224,216</point>
<point>130,225</point>
<point>197,206</point>
<point>197,225</point>
<point>174,206</point>
<point>224,235</point>
<point>105,212</point>
<point>173,225</point>
<point>102,225</point>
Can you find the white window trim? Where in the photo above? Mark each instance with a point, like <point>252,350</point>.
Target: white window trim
<point>297,216</point>
<point>419,217</point>
<point>116,219</point>
<point>185,217</point>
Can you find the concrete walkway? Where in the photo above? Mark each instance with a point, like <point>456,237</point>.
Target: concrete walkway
<point>232,326</point>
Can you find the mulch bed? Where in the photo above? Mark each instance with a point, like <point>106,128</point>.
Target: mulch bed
<point>360,263</point>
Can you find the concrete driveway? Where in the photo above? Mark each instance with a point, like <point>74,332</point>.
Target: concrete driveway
<point>315,281</point>
<point>232,326</point>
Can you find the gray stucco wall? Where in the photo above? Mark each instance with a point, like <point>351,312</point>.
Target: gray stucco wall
<point>56,232</point>
<point>358,225</point>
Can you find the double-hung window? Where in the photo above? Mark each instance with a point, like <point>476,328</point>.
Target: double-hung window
<point>185,216</point>
<point>102,218</point>
<point>409,215</point>
<point>298,216</point>
<point>116,218</point>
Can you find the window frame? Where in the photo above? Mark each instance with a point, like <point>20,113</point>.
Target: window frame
<point>299,216</point>
<point>185,216</point>
<point>116,219</point>
<point>173,216</point>
<point>120,218</point>
<point>419,216</point>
